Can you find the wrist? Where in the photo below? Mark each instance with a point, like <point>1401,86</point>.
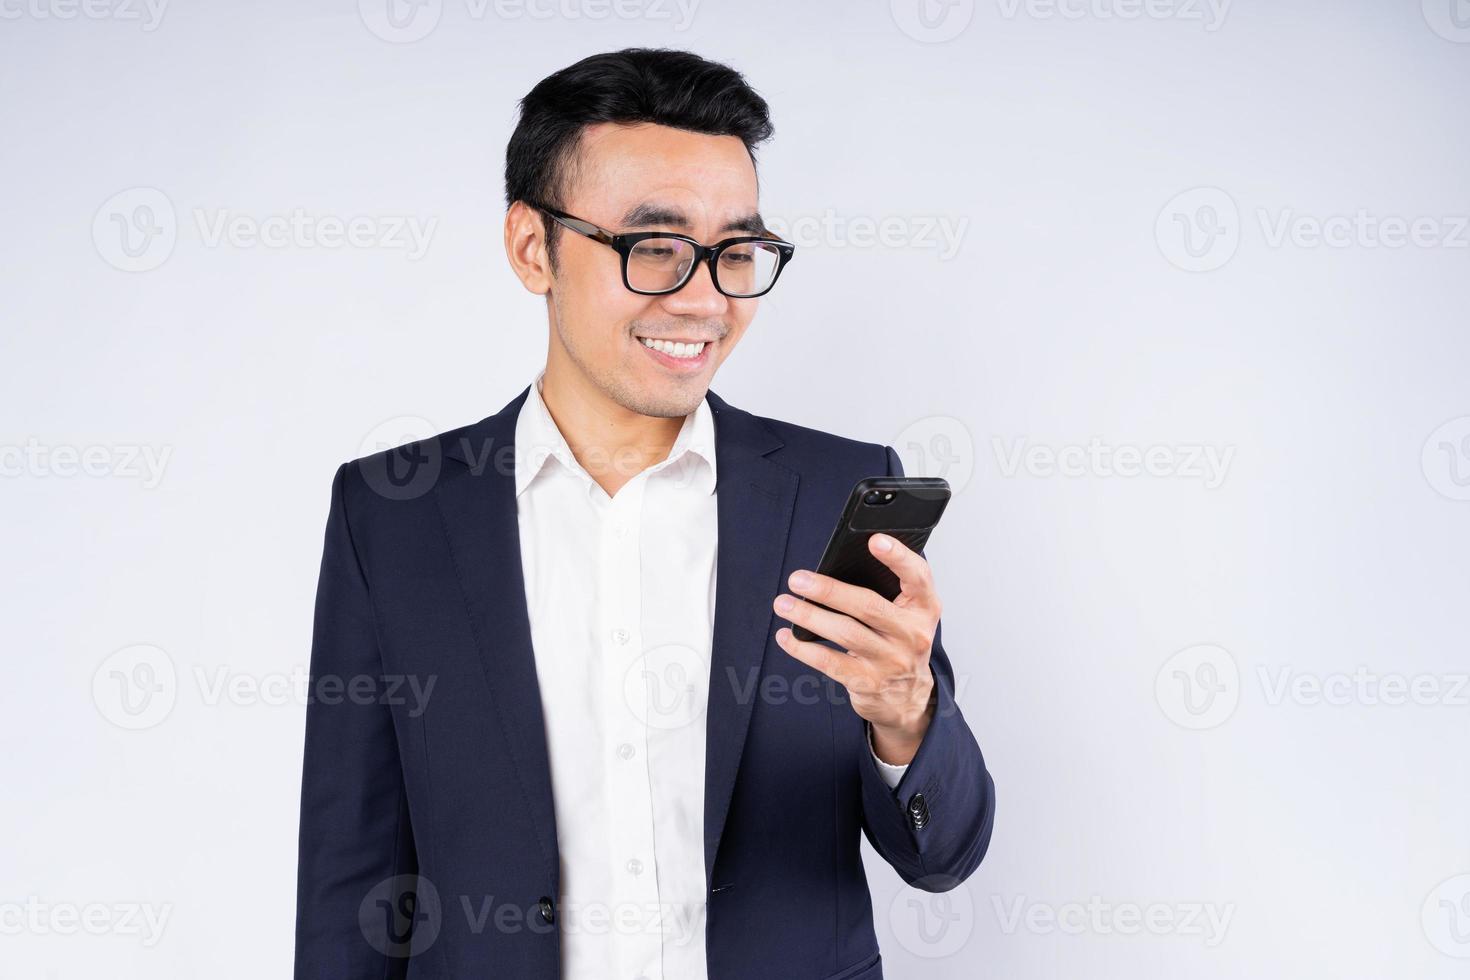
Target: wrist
<point>898,743</point>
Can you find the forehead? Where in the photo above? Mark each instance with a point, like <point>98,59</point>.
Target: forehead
<point>620,166</point>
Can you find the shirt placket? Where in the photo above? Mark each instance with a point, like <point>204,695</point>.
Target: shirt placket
<point>635,890</point>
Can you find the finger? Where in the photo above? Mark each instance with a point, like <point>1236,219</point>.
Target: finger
<point>833,663</point>
<point>843,630</point>
<point>912,570</point>
<point>862,604</point>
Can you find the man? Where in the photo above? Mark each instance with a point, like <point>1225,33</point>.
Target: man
<point>618,766</point>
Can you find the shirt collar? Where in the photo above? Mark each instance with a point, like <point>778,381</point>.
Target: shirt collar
<point>538,440</point>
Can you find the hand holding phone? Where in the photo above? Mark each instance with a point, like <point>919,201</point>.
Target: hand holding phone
<point>906,508</point>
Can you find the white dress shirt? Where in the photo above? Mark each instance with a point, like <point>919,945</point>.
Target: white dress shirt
<point>621,596</point>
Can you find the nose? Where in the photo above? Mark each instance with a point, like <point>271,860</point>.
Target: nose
<point>699,297</point>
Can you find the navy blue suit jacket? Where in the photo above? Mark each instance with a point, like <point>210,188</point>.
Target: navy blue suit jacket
<point>428,844</point>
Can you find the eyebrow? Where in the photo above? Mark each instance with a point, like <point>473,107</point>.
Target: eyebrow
<point>649,215</point>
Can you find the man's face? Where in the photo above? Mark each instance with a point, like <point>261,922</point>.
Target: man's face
<point>650,178</point>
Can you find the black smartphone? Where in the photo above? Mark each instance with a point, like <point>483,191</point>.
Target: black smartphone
<point>902,507</point>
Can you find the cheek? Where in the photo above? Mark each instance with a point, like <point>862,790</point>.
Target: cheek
<point>598,312</point>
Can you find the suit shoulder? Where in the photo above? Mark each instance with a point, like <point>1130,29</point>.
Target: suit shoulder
<point>815,447</point>
<point>401,472</point>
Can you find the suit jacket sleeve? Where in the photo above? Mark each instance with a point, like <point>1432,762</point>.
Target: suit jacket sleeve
<point>355,839</point>
<point>934,826</point>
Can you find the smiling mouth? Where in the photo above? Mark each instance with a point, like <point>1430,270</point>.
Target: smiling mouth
<point>679,349</point>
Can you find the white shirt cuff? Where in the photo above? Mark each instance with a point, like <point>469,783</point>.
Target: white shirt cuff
<point>891,774</point>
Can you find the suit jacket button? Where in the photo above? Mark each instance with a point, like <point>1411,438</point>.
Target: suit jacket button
<point>918,811</point>
<point>548,910</point>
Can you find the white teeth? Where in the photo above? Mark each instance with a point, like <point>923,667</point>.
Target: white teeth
<point>672,349</point>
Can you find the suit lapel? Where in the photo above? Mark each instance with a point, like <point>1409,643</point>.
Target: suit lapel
<point>478,503</point>
<point>756,498</point>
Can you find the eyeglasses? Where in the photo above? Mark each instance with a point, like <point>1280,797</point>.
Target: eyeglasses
<point>656,263</point>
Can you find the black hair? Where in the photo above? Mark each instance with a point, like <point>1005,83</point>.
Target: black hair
<point>635,85</point>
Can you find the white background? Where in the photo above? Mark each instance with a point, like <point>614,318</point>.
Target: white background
<point>1083,298</point>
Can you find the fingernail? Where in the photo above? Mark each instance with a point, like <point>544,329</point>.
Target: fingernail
<point>800,580</point>
<point>882,542</point>
<point>784,603</point>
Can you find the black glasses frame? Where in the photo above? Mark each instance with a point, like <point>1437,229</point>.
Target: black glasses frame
<point>623,245</point>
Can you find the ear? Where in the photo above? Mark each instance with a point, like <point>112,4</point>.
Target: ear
<point>525,246</point>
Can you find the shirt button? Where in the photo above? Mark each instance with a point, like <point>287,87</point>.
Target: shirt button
<point>620,636</point>
<point>635,867</point>
<point>620,530</point>
<point>625,751</point>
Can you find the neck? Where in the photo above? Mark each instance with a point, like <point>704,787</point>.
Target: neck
<point>612,443</point>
